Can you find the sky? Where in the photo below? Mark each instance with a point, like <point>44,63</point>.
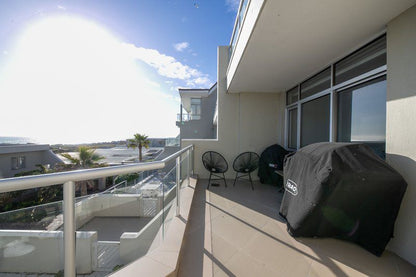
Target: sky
<point>99,70</point>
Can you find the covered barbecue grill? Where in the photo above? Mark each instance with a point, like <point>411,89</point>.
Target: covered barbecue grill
<point>341,190</point>
<point>271,160</point>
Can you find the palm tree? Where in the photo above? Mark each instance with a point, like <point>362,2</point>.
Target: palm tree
<point>139,141</point>
<point>87,158</point>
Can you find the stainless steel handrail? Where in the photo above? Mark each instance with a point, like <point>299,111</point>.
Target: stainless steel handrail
<point>68,179</point>
<point>37,181</point>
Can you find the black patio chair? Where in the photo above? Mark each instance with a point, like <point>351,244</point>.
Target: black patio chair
<point>216,164</point>
<point>244,164</point>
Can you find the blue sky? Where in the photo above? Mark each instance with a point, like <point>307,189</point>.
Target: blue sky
<point>84,71</point>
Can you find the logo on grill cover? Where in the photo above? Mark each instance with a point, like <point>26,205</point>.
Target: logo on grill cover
<point>291,187</point>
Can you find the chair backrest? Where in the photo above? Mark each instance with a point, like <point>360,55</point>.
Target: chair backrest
<point>246,162</point>
<point>214,162</point>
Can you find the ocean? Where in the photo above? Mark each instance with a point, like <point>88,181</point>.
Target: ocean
<point>16,140</point>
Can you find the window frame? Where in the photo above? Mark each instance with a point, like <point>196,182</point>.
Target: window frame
<point>196,116</point>
<point>332,91</point>
<point>18,162</point>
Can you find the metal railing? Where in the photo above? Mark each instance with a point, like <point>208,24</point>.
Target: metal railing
<point>68,180</point>
<point>183,117</point>
<point>238,24</point>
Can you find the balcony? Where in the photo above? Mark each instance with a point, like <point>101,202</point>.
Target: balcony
<point>231,231</point>
<point>235,231</point>
<point>182,117</point>
<point>99,233</point>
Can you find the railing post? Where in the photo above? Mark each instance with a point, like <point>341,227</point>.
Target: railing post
<point>192,160</point>
<point>189,166</point>
<point>69,229</point>
<point>178,185</point>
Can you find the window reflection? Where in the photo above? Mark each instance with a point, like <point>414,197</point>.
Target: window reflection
<point>315,121</point>
<point>362,114</point>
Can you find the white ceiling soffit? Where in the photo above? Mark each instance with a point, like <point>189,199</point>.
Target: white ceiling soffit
<point>295,39</point>
<point>197,93</point>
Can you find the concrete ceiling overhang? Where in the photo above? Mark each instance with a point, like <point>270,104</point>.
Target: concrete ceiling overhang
<point>292,40</point>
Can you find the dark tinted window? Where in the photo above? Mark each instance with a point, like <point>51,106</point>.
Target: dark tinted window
<point>292,96</point>
<point>362,114</point>
<point>317,83</point>
<point>315,121</point>
<point>367,58</point>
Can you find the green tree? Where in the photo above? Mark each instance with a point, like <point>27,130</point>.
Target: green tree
<point>139,141</point>
<point>87,158</point>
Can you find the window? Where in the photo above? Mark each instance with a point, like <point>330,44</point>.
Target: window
<point>292,128</point>
<point>349,96</point>
<point>315,121</point>
<point>195,108</point>
<point>292,96</point>
<point>18,162</point>
<point>365,59</point>
<point>362,114</point>
<point>317,83</point>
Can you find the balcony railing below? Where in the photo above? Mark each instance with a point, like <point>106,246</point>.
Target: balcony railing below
<point>180,163</point>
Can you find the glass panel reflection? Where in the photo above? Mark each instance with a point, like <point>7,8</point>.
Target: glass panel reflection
<point>315,121</point>
<point>362,114</point>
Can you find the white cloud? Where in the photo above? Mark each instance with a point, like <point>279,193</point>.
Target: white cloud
<point>232,5</point>
<point>181,46</point>
<point>167,66</point>
<point>70,81</point>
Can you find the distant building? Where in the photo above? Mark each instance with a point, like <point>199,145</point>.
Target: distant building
<point>17,158</point>
<point>196,119</point>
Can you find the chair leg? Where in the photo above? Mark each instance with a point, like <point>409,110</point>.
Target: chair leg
<point>251,181</point>
<point>236,174</point>
<point>224,180</point>
<point>209,180</point>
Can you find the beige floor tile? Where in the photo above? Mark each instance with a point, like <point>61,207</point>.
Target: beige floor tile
<point>405,269</point>
<point>334,268</point>
<point>243,265</point>
<point>232,230</point>
<point>354,256</point>
<point>222,249</point>
<point>249,216</point>
<point>237,232</point>
<point>279,255</point>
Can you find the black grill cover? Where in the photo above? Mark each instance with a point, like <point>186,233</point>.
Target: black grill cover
<point>341,190</point>
<point>271,159</point>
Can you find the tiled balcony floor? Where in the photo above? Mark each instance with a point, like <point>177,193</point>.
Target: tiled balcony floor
<point>235,231</point>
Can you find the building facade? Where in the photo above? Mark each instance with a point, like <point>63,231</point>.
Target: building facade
<point>299,72</point>
<point>196,119</point>
<point>19,158</point>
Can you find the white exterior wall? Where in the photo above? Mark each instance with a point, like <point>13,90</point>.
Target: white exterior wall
<point>246,122</point>
<point>401,124</point>
<point>43,251</point>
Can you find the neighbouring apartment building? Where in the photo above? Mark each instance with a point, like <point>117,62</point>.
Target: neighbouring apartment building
<point>196,119</point>
<point>300,72</point>
<point>19,158</point>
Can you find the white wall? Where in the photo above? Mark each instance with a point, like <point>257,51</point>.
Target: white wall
<point>401,124</point>
<point>246,122</point>
<point>43,251</point>
<point>116,205</point>
<point>134,245</point>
